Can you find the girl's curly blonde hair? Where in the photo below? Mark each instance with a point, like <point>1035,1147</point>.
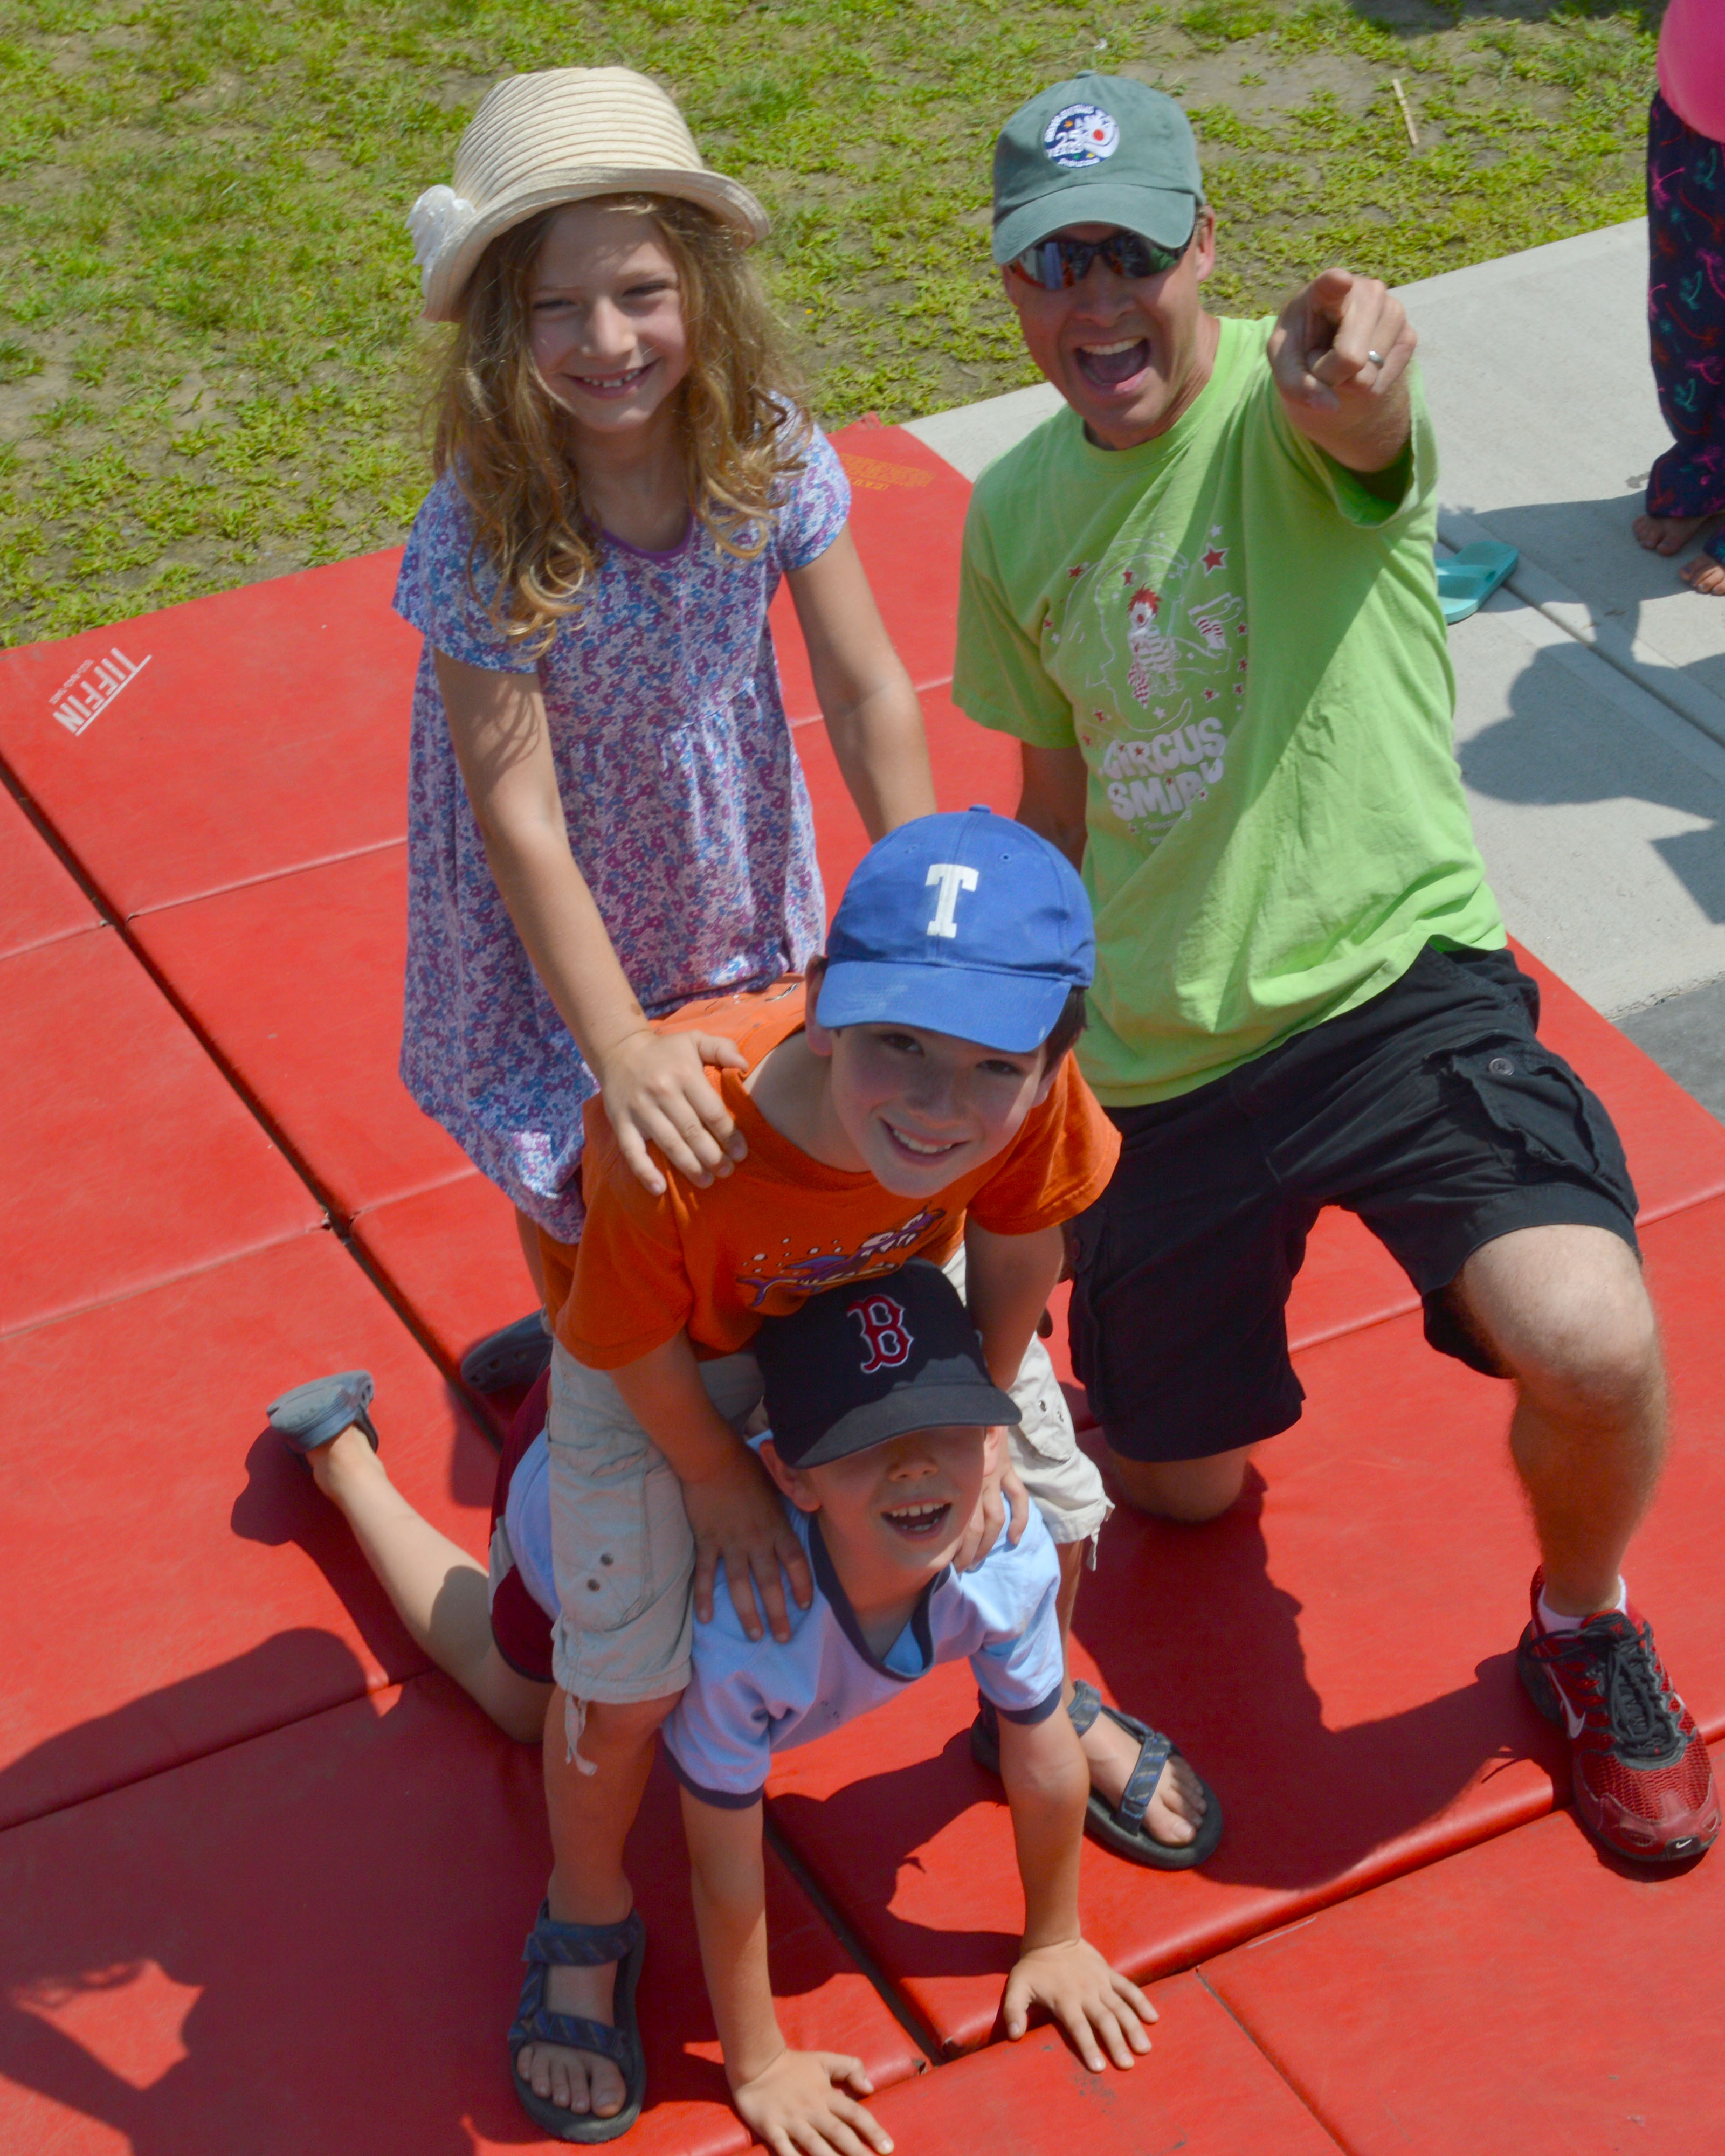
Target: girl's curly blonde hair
<point>505,438</point>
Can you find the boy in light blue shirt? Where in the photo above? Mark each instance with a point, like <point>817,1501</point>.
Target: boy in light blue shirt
<point>881,1404</point>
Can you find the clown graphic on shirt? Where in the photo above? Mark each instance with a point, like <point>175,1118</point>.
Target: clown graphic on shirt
<point>1162,625</point>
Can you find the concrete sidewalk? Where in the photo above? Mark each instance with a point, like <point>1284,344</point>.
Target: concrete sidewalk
<point>1590,718</point>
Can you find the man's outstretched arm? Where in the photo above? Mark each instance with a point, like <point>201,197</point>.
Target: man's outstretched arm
<point>1339,353</point>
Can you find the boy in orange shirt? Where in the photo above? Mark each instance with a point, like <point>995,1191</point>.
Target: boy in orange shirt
<point>917,1102</point>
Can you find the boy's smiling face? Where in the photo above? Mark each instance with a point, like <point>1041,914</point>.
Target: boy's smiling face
<point>894,1513</point>
<point>922,1109</point>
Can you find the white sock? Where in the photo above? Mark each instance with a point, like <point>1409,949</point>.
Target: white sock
<point>1555,1620</point>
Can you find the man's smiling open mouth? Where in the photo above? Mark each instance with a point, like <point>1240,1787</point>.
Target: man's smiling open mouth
<point>1108,365</point>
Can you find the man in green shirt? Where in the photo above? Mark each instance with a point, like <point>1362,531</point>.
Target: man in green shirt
<point>1203,598</point>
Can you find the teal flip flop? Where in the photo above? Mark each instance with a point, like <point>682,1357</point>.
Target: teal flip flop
<point>1468,579</point>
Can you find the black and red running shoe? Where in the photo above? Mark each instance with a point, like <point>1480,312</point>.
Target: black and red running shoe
<point>1644,1785</point>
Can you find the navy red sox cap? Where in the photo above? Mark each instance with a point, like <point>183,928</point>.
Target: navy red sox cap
<point>859,1364</point>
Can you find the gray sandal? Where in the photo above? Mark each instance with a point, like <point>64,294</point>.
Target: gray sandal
<point>1119,1827</point>
<point>314,1413</point>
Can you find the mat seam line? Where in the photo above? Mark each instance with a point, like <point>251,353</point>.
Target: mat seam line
<point>166,1280</point>
<point>919,2031</point>
<point>269,875</point>
<point>1252,2037</point>
<point>340,1222</point>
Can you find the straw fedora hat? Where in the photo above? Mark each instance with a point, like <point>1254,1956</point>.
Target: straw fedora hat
<point>559,136</point>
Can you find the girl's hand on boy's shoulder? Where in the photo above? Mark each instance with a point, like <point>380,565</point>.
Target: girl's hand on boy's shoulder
<point>798,2107</point>
<point>656,1092</point>
<point>737,1516</point>
<point>1004,1502</point>
<point>1099,2008</point>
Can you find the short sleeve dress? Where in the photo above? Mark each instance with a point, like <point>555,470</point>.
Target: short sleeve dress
<point>686,809</point>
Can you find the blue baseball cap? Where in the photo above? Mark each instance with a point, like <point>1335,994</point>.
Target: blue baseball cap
<point>967,924</point>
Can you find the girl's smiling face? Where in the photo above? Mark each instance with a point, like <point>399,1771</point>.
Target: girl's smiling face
<point>606,311</point>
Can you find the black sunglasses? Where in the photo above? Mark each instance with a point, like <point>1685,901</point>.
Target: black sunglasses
<point>1058,263</point>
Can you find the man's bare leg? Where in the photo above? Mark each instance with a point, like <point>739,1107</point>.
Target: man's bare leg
<point>1176,1810</point>
<point>1188,1492</point>
<point>1565,1311</point>
<point>441,1593</point>
<point>591,1815</point>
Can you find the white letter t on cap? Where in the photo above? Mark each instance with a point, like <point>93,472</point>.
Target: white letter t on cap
<point>952,877</point>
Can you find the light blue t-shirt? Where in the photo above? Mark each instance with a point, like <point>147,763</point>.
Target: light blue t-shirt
<point>750,1698</point>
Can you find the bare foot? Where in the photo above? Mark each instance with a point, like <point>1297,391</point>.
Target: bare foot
<point>1667,535</point>
<point>1176,1810</point>
<point>577,2081</point>
<point>1705,574</point>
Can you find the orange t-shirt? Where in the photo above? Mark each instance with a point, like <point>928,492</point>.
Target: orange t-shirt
<point>781,1226</point>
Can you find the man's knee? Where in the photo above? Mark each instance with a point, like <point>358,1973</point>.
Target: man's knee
<point>1570,1321</point>
<point>1189,1491</point>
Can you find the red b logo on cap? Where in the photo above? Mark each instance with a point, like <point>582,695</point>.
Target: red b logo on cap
<point>887,1337</point>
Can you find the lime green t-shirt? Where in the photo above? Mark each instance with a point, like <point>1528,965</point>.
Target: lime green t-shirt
<point>1245,643</point>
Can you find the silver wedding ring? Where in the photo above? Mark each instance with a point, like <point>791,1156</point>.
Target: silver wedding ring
<point>1375,358</point>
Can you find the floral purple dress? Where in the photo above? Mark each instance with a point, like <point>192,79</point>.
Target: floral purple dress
<point>686,809</point>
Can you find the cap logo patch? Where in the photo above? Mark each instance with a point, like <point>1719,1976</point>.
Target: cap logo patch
<point>886,1337</point>
<point>1080,135</point>
<point>952,877</point>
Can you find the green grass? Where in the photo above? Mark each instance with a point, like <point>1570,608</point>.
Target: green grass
<point>209,364</point>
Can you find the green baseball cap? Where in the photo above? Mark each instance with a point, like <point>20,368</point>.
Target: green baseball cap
<point>1101,149</point>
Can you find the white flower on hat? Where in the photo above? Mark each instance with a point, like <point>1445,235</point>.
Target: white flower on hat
<point>437,221</point>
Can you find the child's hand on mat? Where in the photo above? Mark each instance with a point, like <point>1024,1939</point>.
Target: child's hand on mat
<point>1088,1999</point>
<point>796,2107</point>
<point>1004,1501</point>
<point>656,1092</point>
<point>737,1515</point>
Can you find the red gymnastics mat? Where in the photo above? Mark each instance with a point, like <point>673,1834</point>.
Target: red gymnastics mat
<point>1335,1657</point>
<point>39,901</point>
<point>1527,1998</point>
<point>907,508</point>
<point>312,1942</point>
<point>297,985</point>
<point>223,740</point>
<point>450,1259</point>
<point>1205,2089</point>
<point>175,1580</point>
<point>130,1160</point>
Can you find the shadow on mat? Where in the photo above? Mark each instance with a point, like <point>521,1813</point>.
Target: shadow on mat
<point>312,1941</point>
<point>1225,1673</point>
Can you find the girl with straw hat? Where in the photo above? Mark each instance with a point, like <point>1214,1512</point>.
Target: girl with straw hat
<point>607,816</point>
